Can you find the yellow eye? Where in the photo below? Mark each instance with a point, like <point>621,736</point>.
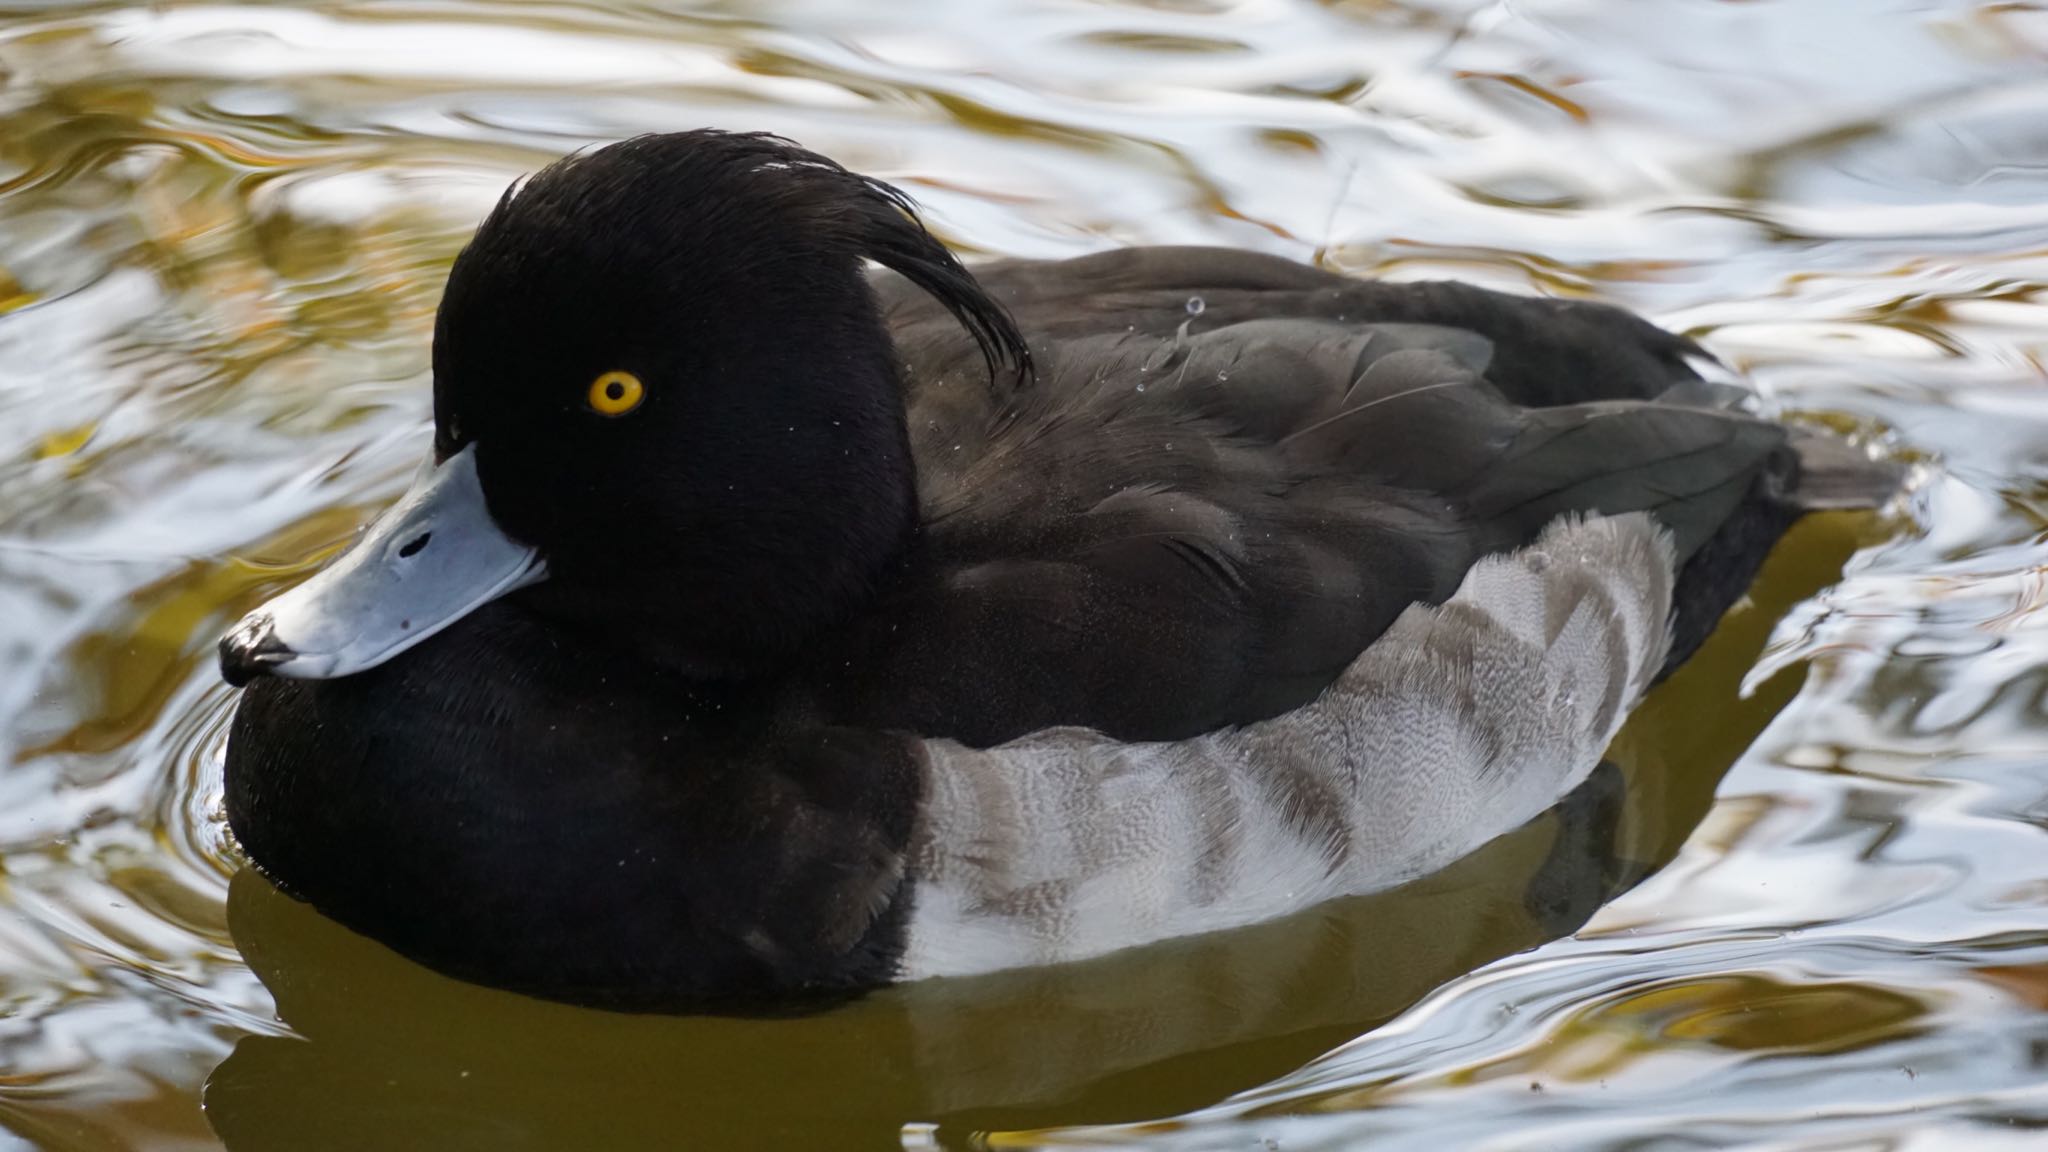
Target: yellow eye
<point>616,393</point>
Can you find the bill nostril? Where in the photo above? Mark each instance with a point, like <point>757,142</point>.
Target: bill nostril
<point>412,547</point>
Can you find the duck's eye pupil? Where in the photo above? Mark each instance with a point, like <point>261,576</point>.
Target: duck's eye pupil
<point>615,391</point>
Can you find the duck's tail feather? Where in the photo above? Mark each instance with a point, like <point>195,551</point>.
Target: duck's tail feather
<point>1825,472</point>
<point>1835,474</point>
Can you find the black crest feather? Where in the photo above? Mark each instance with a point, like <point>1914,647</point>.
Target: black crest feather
<point>841,212</point>
<point>879,221</point>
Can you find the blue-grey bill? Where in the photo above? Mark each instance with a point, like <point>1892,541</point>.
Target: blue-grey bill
<point>433,558</point>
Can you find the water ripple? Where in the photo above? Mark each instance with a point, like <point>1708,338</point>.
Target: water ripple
<point>222,232</point>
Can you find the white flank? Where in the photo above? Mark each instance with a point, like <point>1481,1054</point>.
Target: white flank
<point>1458,725</point>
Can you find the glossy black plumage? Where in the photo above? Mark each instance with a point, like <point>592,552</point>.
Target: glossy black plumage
<point>1233,471</point>
<point>685,770</point>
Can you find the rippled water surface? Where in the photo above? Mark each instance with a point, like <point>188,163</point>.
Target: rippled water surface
<point>222,234</point>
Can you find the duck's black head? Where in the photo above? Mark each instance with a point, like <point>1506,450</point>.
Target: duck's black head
<point>662,363</point>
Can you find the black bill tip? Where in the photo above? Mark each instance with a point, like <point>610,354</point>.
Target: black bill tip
<point>252,650</point>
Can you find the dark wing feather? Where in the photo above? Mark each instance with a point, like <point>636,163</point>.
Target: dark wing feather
<point>1197,517</point>
<point>1545,351</point>
<point>1689,466</point>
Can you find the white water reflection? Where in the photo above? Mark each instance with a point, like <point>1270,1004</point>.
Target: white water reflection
<point>222,232</point>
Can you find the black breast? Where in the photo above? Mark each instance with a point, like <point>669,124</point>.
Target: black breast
<point>512,815</point>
